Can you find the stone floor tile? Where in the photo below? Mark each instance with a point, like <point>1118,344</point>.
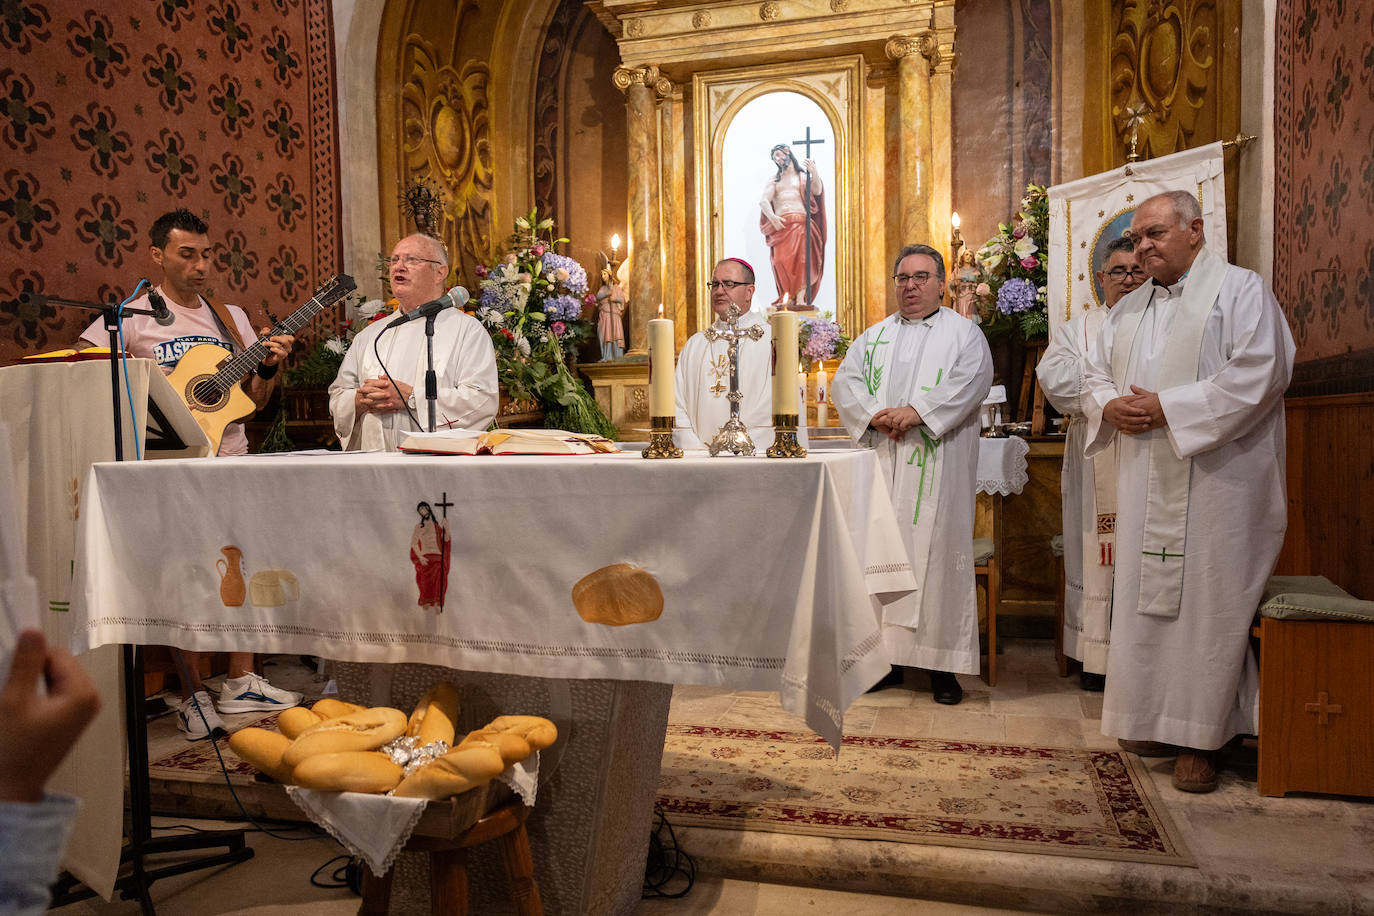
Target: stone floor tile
<point>1058,705</point>
<point>955,723</point>
<point>902,722</point>
<point>1043,731</point>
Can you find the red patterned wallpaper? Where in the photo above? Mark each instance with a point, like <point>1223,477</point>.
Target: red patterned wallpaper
<point>1324,174</point>
<point>111,116</point>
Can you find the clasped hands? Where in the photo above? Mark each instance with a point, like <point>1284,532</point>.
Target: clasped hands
<point>378,395</point>
<point>894,422</point>
<point>1135,413</point>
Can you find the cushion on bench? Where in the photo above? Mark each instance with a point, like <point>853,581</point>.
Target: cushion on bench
<point>1312,598</point>
<point>982,550</point>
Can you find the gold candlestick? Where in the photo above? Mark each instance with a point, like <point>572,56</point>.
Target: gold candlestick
<point>785,444</point>
<point>661,439</point>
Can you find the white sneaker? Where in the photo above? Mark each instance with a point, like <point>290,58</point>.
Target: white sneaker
<point>252,693</point>
<point>198,725</point>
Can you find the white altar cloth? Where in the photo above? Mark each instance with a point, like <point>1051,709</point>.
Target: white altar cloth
<point>773,571</point>
<point>1002,465</point>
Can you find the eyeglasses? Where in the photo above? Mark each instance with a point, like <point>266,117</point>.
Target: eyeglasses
<point>726,285</point>
<point>409,260</point>
<point>1119,273</point>
<point>920,279</point>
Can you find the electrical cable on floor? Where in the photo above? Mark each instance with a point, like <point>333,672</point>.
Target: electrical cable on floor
<point>667,863</point>
<point>340,876</point>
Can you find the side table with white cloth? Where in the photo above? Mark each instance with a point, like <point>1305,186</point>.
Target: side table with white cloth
<point>773,573</point>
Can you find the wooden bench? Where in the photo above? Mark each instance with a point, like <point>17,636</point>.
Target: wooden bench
<point>1316,701</point>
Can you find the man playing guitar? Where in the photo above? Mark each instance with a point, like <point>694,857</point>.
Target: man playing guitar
<point>181,248</point>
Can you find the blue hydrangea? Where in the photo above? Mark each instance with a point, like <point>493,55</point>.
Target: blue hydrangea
<point>1016,295</point>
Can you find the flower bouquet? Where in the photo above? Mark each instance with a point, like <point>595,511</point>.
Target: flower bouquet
<point>531,303</point>
<point>1012,293</point>
<point>820,339</point>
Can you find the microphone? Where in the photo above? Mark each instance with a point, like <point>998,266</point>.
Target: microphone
<point>458,296</point>
<point>161,314</point>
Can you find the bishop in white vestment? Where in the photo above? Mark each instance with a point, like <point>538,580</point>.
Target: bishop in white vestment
<point>1187,377</point>
<point>702,380</point>
<point>910,387</point>
<point>370,412</point>
<point>1089,522</point>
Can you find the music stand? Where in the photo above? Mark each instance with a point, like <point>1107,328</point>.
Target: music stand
<point>176,429</point>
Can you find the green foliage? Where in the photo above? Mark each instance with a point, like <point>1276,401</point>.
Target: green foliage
<point>276,439</point>
<point>319,367</point>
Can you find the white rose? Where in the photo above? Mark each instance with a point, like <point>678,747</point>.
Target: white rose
<point>1025,247</point>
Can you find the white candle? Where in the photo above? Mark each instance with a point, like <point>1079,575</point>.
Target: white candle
<point>784,325</point>
<point>661,366</point>
<point>801,397</point>
<point>822,398</point>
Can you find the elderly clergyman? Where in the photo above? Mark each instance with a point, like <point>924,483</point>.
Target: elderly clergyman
<point>910,388</point>
<point>1088,487</point>
<point>379,394</point>
<point>1187,376</point>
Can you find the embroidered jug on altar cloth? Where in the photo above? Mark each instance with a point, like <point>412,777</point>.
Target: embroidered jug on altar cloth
<point>232,588</point>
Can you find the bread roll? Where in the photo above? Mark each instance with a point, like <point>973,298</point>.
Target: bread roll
<point>363,731</point>
<point>537,730</point>
<point>618,595</point>
<point>332,709</point>
<point>263,749</point>
<point>291,722</point>
<point>348,771</point>
<point>511,746</point>
<point>435,715</point>
<point>457,771</point>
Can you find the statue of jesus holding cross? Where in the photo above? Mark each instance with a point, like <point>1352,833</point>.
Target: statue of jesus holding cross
<point>792,219</point>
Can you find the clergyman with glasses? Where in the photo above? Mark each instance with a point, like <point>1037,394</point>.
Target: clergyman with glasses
<point>379,393</point>
<point>1088,484</point>
<point>910,388</point>
<point>703,367</point>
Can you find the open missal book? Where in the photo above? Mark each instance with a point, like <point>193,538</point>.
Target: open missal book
<point>506,442</point>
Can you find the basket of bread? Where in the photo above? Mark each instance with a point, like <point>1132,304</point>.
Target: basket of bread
<point>338,746</point>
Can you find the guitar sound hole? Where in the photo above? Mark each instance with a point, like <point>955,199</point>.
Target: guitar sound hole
<point>207,394</point>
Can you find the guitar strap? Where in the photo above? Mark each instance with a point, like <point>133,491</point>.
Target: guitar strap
<point>221,313</point>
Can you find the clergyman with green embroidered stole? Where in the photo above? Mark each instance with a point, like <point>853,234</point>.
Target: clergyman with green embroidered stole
<point>1187,377</point>
<point>910,388</point>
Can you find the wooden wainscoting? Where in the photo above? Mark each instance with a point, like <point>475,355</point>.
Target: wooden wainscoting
<point>1331,491</point>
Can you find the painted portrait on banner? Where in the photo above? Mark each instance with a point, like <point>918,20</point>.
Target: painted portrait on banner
<point>777,173</point>
<point>1112,228</point>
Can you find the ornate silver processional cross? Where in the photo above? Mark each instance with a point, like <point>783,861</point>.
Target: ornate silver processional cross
<point>733,436</point>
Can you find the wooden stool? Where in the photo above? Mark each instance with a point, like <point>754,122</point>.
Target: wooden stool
<point>985,568</point>
<point>1061,660</point>
<point>448,882</point>
<point>1032,400</point>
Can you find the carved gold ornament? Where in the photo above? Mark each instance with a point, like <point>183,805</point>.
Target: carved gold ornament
<point>445,138</point>
<point>770,11</point>
<point>701,19</point>
<point>1163,56</point>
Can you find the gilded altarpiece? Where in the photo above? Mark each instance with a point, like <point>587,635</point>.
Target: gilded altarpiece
<point>434,122</point>
<point>1170,77</point>
<point>835,86</point>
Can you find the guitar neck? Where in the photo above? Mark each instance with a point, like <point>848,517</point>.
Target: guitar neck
<point>246,361</point>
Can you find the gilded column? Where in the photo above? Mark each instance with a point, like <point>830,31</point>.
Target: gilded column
<point>641,86</point>
<point>942,147</point>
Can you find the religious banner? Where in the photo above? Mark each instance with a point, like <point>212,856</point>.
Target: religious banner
<point>1088,213</point>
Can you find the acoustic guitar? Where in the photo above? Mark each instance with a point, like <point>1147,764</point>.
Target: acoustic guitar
<point>207,376</point>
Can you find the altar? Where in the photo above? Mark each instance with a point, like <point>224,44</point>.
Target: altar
<point>773,575</point>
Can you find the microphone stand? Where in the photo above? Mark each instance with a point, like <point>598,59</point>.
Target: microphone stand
<point>141,843</point>
<point>431,380</point>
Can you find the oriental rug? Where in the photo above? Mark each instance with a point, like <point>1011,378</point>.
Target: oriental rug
<point>197,762</point>
<point>1095,804</point>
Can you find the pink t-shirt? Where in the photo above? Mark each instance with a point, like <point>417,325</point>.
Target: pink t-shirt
<point>145,338</point>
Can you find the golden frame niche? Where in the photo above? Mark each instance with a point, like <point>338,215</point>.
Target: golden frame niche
<point>836,86</point>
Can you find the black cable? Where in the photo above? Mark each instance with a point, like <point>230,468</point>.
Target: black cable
<point>339,875</point>
<point>666,863</point>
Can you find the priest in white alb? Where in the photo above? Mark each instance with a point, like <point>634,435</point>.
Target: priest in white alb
<point>1087,487</point>
<point>910,388</point>
<point>379,393</point>
<point>1187,377</point>
<point>702,382</point>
